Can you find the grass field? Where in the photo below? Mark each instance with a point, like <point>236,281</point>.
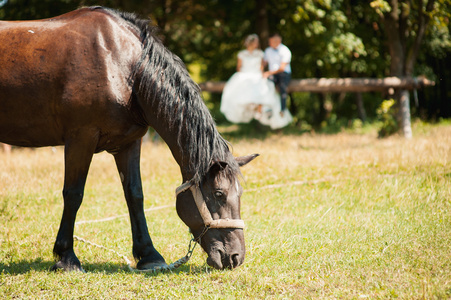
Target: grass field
<point>344,216</point>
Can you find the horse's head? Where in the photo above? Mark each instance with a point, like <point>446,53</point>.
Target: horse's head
<point>212,212</point>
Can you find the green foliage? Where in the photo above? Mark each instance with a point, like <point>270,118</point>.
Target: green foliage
<point>381,7</point>
<point>438,40</point>
<point>323,32</point>
<point>339,38</point>
<point>35,9</point>
<point>386,115</point>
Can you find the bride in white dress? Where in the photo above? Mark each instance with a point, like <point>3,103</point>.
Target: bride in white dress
<point>247,95</point>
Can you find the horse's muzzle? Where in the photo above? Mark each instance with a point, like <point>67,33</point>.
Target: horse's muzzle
<point>219,260</point>
<point>226,250</point>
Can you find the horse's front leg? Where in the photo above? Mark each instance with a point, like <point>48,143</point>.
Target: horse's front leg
<point>127,162</point>
<point>78,153</point>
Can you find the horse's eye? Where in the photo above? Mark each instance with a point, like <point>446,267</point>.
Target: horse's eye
<point>219,194</point>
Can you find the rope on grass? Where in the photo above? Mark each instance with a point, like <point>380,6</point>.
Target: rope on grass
<point>192,243</point>
<point>275,186</point>
<point>120,216</point>
<point>170,267</point>
<point>104,248</point>
<point>316,181</point>
<point>265,187</point>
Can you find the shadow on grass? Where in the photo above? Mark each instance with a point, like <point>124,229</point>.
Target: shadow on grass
<point>255,130</point>
<point>39,265</point>
<point>25,266</point>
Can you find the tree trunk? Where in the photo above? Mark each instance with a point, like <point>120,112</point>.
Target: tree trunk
<point>394,22</point>
<point>293,106</point>
<point>404,110</point>
<point>322,111</point>
<point>403,58</point>
<point>360,108</point>
<point>262,25</point>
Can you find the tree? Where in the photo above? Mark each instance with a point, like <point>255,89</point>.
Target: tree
<point>405,24</point>
<point>34,9</point>
<point>328,38</point>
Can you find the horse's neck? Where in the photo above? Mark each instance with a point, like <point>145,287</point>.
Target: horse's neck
<point>171,103</point>
<point>169,135</point>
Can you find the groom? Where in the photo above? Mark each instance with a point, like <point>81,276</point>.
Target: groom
<point>278,58</point>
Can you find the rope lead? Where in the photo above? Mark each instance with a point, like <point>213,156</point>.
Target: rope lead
<point>170,267</point>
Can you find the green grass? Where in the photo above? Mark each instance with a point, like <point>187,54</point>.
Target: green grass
<point>328,216</point>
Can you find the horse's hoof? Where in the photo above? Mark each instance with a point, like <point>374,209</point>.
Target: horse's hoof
<point>152,266</point>
<point>61,267</point>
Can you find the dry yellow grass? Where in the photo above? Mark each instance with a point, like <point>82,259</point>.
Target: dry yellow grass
<point>328,216</point>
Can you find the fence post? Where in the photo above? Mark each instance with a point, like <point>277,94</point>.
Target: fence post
<point>404,107</point>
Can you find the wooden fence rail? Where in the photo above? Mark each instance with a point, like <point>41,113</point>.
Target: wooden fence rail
<point>351,85</point>
<point>339,85</point>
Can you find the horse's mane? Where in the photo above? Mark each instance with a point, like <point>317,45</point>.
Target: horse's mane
<point>166,85</point>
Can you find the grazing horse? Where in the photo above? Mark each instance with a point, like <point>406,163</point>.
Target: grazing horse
<point>94,80</point>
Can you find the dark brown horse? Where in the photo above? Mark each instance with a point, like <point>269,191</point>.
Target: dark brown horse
<point>94,80</point>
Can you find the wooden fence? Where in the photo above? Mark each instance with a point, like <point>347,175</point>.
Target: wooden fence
<point>352,85</point>
<point>340,85</point>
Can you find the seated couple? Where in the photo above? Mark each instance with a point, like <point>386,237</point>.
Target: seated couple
<point>250,93</point>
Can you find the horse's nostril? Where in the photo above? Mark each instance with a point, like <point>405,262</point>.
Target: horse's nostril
<point>222,254</point>
<point>219,259</point>
<point>235,260</point>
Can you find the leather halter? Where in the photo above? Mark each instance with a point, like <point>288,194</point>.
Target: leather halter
<point>203,209</point>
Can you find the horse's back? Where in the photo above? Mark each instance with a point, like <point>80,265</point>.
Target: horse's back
<point>62,73</point>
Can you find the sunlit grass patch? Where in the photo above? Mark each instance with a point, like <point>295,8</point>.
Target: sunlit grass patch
<point>327,216</point>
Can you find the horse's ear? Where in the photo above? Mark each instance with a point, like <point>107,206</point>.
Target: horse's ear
<point>243,160</point>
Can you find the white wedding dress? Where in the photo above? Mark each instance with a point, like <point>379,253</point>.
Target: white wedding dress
<point>246,90</point>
